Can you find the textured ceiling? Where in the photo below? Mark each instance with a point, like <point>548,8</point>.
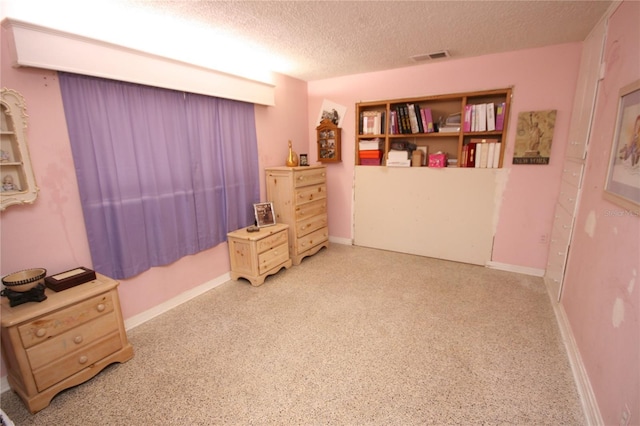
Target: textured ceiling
<point>323,39</point>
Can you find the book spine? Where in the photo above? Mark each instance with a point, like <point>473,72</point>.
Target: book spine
<point>413,120</point>
<point>482,117</point>
<point>496,155</point>
<point>471,158</point>
<point>466,122</point>
<point>429,119</point>
<point>491,117</point>
<point>490,155</point>
<point>500,111</point>
<point>419,118</point>
<point>478,155</point>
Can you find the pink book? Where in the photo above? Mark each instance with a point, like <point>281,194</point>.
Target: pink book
<point>466,123</point>
<point>429,120</point>
<point>500,110</point>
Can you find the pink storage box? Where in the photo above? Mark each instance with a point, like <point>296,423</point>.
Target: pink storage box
<point>438,160</point>
<point>369,161</point>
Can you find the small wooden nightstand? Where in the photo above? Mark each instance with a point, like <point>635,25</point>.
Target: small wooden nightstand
<point>62,341</point>
<point>255,255</point>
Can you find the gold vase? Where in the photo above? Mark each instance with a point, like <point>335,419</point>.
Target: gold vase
<point>292,158</point>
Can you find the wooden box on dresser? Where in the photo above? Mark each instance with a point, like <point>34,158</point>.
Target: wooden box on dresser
<point>299,197</point>
<point>62,341</point>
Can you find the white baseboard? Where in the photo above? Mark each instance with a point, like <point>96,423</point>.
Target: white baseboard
<point>345,241</point>
<point>143,317</point>
<point>585,391</point>
<point>515,268</point>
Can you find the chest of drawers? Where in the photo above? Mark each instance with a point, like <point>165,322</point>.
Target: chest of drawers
<point>256,255</point>
<point>63,341</point>
<point>299,197</point>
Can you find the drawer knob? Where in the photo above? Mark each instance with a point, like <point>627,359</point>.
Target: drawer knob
<point>100,307</point>
<point>78,339</point>
<point>83,359</point>
<point>41,332</point>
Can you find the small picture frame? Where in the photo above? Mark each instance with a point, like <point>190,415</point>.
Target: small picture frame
<point>265,215</point>
<point>304,161</point>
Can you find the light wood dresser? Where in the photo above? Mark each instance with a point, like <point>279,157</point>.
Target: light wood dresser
<point>299,197</point>
<point>62,341</point>
<point>256,255</point>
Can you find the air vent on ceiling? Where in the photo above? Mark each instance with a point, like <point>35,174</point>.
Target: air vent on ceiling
<point>433,55</point>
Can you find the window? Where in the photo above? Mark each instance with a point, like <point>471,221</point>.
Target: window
<point>162,174</point>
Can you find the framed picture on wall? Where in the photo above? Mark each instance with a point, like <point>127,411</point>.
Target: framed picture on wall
<point>264,214</point>
<point>622,185</point>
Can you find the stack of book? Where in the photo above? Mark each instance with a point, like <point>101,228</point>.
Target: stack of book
<point>451,124</point>
<point>484,117</point>
<point>410,119</point>
<point>481,153</point>
<point>372,123</point>
<point>370,151</point>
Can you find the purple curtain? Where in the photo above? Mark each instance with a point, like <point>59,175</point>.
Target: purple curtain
<point>162,174</point>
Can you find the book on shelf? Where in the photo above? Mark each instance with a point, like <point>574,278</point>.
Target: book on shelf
<point>500,111</point>
<point>468,155</point>
<point>413,118</point>
<point>492,147</point>
<point>449,129</point>
<point>393,122</point>
<point>481,123</point>
<point>487,155</point>
<point>496,155</point>
<point>372,122</point>
<point>491,117</point>
<point>466,122</point>
<point>427,120</point>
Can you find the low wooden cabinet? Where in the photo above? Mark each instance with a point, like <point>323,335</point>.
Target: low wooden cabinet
<point>299,197</point>
<point>256,255</point>
<point>62,341</point>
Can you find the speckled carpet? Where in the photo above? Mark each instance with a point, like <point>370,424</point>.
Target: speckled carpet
<point>352,336</point>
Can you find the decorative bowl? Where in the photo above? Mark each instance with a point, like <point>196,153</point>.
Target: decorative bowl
<point>25,280</point>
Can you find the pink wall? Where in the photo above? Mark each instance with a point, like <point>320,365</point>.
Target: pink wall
<point>277,125</point>
<point>542,79</point>
<point>601,295</point>
<point>51,234</point>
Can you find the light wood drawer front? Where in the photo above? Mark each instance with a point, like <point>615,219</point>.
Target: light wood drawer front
<point>61,321</point>
<point>572,173</point>
<point>309,177</point>
<point>273,257</point>
<point>314,208</point>
<point>303,227</point>
<point>312,193</point>
<point>312,240</point>
<point>72,340</point>
<point>76,361</point>
<point>272,241</point>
